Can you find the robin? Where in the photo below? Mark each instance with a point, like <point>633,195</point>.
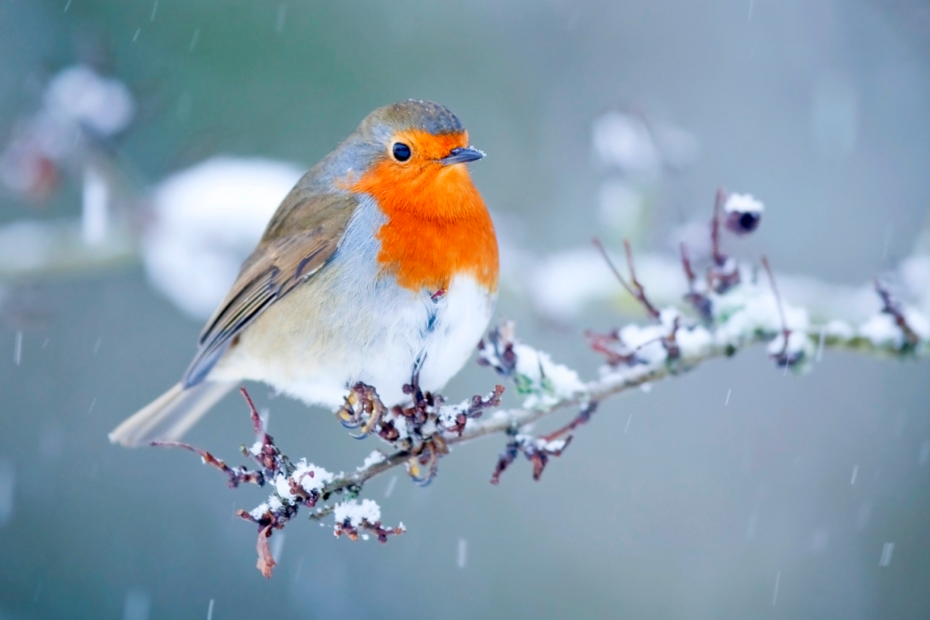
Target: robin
<point>380,265</point>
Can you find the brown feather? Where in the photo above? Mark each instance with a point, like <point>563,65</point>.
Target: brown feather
<point>302,235</point>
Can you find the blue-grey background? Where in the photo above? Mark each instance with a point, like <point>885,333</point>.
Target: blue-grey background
<point>689,509</point>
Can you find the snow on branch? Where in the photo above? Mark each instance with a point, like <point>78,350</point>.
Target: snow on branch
<point>728,307</point>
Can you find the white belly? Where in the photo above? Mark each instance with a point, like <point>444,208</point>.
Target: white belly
<point>314,349</point>
<point>461,319</point>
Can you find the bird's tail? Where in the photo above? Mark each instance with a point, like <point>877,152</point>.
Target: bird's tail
<point>169,416</point>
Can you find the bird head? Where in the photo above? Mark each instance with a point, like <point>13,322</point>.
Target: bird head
<point>418,136</point>
<point>408,155</point>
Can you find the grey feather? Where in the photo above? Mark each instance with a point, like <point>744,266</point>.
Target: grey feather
<point>169,416</point>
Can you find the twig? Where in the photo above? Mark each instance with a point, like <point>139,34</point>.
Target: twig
<point>698,300</point>
<point>634,288</point>
<point>781,309</point>
<point>237,475</point>
<point>686,266</point>
<point>583,417</point>
<point>781,356</point>
<point>719,199</point>
<point>891,307</point>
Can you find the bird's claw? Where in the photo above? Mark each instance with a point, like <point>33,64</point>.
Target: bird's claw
<point>424,465</point>
<point>361,401</point>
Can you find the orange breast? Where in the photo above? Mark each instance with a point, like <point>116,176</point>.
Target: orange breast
<point>437,224</point>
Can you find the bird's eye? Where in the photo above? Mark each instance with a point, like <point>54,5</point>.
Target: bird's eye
<point>401,151</point>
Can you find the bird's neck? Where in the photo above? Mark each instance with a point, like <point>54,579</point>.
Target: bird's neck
<point>437,227</point>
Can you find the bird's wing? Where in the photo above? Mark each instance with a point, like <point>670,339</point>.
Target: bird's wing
<point>293,248</point>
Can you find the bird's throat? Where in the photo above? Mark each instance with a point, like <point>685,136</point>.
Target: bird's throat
<point>437,225</point>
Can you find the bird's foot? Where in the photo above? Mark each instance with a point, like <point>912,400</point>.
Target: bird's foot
<point>362,408</point>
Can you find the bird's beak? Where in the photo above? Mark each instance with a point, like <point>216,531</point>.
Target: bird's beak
<point>461,155</point>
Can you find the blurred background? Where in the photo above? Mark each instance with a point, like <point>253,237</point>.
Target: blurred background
<point>144,144</point>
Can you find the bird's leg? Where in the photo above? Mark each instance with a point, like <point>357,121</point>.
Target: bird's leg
<point>413,388</point>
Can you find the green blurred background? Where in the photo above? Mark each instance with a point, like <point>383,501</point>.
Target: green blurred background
<point>689,509</point>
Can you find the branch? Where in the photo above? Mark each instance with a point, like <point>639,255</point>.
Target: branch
<point>615,383</point>
<point>731,310</point>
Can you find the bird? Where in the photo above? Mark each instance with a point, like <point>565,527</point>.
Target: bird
<point>380,265</point>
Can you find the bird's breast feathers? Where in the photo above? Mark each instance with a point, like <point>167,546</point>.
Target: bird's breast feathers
<point>436,226</point>
<point>355,321</point>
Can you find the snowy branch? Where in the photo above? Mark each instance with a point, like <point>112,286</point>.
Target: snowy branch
<point>728,307</point>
